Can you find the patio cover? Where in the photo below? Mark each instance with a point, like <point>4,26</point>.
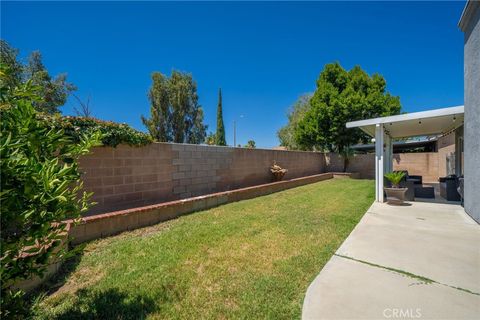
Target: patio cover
<point>384,129</point>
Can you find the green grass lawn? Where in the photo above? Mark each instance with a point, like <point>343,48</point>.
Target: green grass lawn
<point>250,259</point>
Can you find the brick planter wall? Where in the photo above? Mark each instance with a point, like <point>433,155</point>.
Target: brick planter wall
<point>107,224</point>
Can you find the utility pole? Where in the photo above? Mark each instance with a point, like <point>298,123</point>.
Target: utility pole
<point>234,133</point>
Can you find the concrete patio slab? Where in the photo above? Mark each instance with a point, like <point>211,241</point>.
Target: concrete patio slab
<point>385,262</point>
<point>348,289</point>
<point>436,241</point>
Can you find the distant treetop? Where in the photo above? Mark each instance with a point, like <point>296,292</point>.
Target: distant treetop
<point>342,96</point>
<point>53,92</point>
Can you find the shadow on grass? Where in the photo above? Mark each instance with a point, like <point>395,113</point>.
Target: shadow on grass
<point>59,278</point>
<point>92,304</point>
<point>108,304</point>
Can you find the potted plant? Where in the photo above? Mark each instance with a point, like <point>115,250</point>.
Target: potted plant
<point>395,194</point>
<point>277,171</point>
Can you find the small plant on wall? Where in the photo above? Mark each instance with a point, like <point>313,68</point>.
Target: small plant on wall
<point>277,171</point>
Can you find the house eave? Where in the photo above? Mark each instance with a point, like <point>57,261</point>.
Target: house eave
<point>467,13</point>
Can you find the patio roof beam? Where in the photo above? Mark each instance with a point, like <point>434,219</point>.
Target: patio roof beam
<point>430,122</point>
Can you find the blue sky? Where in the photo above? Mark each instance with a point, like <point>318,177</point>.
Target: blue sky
<point>262,55</point>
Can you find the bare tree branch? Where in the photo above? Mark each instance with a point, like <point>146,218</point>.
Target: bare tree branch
<point>84,110</point>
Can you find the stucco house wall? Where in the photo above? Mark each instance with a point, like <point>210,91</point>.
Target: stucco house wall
<point>470,25</point>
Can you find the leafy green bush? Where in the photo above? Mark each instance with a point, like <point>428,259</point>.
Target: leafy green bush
<point>395,177</point>
<point>40,188</point>
<point>113,133</point>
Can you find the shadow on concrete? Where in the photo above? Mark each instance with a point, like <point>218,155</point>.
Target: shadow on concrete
<point>404,204</point>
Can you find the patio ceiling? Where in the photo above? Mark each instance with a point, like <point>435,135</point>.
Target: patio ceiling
<point>438,121</point>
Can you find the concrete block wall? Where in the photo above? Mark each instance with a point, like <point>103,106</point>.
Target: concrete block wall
<point>196,169</point>
<point>425,164</point>
<point>127,177</point>
<point>363,164</point>
<point>333,162</point>
<point>251,168</point>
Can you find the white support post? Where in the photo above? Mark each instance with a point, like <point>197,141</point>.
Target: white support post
<point>388,163</point>
<point>379,165</point>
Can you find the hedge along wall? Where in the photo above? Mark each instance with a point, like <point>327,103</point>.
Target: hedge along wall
<point>126,177</point>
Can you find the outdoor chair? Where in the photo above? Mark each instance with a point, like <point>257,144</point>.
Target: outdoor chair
<point>414,178</point>
<point>427,192</point>
<point>448,188</point>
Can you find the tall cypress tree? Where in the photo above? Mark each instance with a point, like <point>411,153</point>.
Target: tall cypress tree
<point>220,135</point>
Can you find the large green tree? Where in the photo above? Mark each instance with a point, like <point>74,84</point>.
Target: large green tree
<point>175,114</point>
<point>52,91</point>
<point>342,96</point>
<point>220,135</point>
<point>297,111</point>
<point>198,133</point>
<point>159,123</point>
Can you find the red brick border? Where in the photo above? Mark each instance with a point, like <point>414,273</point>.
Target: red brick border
<point>107,224</point>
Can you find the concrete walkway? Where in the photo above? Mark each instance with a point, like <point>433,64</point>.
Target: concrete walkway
<point>402,262</point>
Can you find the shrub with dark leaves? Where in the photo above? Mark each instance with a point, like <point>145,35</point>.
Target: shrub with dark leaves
<point>113,133</point>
